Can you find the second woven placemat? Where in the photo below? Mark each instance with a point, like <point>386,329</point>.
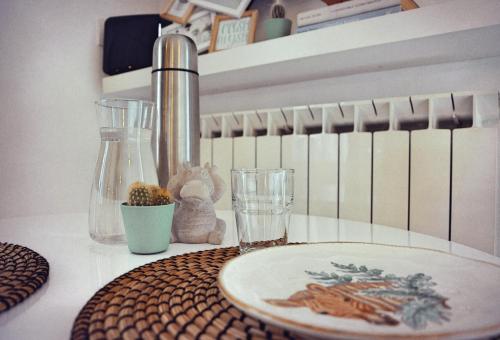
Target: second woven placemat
<point>173,298</point>
<point>22,272</point>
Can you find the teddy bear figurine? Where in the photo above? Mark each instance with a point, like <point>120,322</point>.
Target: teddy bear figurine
<point>195,190</point>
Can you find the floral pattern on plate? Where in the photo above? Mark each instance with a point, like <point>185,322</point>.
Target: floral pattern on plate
<point>366,294</point>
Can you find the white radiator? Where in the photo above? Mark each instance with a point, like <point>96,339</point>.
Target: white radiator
<point>427,163</point>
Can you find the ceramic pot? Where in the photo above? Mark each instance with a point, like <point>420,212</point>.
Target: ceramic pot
<point>277,27</point>
<point>148,228</point>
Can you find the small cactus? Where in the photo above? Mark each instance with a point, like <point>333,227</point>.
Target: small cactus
<point>277,10</point>
<point>139,194</point>
<point>142,194</point>
<point>162,197</point>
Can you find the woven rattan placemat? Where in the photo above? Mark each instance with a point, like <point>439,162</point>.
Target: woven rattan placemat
<point>22,272</point>
<point>173,298</point>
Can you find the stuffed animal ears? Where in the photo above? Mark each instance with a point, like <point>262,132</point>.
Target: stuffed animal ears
<point>219,185</point>
<point>182,167</point>
<point>212,169</point>
<point>174,184</point>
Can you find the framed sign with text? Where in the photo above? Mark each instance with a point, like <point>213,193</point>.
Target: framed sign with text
<point>229,32</point>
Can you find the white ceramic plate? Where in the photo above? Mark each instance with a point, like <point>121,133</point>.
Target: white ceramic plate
<point>359,290</point>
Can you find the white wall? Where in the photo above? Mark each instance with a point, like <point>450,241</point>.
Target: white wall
<point>50,75</point>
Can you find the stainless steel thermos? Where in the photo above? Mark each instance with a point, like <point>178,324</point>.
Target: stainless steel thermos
<point>176,126</point>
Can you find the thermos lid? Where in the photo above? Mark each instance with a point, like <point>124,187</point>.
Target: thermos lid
<point>175,52</point>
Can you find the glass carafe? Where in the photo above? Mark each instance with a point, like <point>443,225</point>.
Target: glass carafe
<point>125,156</point>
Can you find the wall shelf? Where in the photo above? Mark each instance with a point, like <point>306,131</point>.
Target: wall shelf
<point>450,32</point>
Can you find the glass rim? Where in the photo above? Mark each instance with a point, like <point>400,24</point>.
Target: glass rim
<point>257,170</point>
<point>107,102</point>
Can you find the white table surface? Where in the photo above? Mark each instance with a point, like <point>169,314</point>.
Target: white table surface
<point>80,266</point>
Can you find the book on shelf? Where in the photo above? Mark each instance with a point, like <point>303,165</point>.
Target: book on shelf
<point>342,10</point>
<point>352,18</point>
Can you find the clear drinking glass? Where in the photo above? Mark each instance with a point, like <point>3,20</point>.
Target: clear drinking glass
<point>262,202</point>
<point>125,156</point>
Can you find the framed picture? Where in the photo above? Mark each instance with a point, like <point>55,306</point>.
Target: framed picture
<point>198,28</point>
<point>234,8</point>
<point>229,32</point>
<point>177,11</point>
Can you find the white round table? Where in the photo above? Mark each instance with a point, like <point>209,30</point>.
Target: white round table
<point>80,266</point>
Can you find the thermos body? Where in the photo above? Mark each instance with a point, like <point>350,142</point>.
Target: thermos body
<point>176,126</point>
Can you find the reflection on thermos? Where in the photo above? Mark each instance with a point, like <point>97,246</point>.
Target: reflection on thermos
<point>176,130</point>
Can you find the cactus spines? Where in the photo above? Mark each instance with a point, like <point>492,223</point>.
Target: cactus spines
<point>139,194</point>
<point>162,197</point>
<point>154,189</point>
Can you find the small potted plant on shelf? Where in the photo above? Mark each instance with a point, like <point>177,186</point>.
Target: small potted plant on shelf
<point>147,216</point>
<point>277,26</point>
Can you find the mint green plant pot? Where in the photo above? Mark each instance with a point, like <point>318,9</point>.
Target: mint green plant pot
<point>277,27</point>
<point>148,228</point>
